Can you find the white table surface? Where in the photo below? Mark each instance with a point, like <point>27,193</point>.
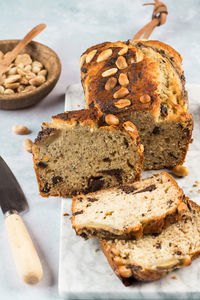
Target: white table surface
<point>72,26</point>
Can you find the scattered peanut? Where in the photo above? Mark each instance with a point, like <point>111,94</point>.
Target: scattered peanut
<point>180,171</point>
<point>22,76</point>
<point>21,129</point>
<point>28,145</point>
<point>111,119</point>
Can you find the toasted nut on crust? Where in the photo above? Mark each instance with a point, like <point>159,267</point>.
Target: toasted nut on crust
<point>123,50</point>
<point>90,56</point>
<point>28,145</point>
<point>180,171</point>
<point>118,260</point>
<point>111,119</point>
<point>145,98</point>
<point>110,84</point>
<point>20,129</point>
<point>109,72</point>
<point>82,60</point>
<point>121,93</point>
<point>121,63</point>
<point>139,56</point>
<point>129,126</point>
<point>104,55</point>
<point>182,208</point>
<point>124,272</point>
<point>123,79</point>
<point>122,103</point>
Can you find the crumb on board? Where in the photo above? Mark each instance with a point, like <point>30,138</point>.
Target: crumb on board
<point>197,181</point>
<point>66,214</point>
<point>174,277</point>
<point>199,191</point>
<point>96,249</point>
<point>195,185</point>
<point>191,191</point>
<point>78,105</point>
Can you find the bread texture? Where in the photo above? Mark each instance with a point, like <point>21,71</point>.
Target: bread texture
<point>129,211</point>
<point>142,82</point>
<point>155,256</point>
<point>77,152</point>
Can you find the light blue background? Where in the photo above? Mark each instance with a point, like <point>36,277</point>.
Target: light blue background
<point>72,26</point>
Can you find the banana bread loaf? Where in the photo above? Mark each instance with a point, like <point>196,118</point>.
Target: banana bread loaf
<point>142,82</point>
<point>77,153</point>
<point>154,256</point>
<point>129,211</point>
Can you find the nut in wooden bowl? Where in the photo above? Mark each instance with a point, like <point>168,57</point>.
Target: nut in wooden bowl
<point>35,92</point>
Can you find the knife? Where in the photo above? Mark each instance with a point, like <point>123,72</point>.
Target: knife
<point>12,202</point>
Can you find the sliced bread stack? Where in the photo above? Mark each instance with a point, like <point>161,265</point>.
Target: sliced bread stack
<point>147,229</point>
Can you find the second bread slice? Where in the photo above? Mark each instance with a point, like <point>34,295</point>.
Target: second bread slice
<point>144,207</point>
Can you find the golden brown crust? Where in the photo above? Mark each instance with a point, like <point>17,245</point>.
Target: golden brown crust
<point>143,76</point>
<point>155,225</point>
<point>128,273</point>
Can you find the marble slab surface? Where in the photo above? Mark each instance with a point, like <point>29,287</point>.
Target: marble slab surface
<point>84,272</point>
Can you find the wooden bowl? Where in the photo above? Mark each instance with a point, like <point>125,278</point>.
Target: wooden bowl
<point>51,63</point>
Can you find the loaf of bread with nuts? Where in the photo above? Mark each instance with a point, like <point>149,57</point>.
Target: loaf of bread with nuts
<point>142,82</point>
<point>129,211</point>
<point>154,256</point>
<point>78,152</point>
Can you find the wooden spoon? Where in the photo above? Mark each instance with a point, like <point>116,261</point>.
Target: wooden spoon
<point>4,63</point>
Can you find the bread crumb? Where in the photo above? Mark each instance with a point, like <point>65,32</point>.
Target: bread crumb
<point>96,249</point>
<point>197,181</point>
<point>195,185</point>
<point>66,214</point>
<point>174,277</point>
<point>191,191</point>
<point>199,191</point>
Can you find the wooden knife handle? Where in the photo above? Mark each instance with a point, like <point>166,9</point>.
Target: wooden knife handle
<point>25,256</point>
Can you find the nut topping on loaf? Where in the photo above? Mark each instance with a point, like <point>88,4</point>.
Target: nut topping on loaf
<point>78,152</point>
<point>129,211</point>
<point>150,76</point>
<point>153,257</point>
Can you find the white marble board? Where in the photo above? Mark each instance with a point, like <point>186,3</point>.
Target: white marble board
<point>84,272</point>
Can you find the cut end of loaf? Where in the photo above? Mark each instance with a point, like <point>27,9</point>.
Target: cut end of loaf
<point>129,211</point>
<point>155,256</point>
<point>78,153</point>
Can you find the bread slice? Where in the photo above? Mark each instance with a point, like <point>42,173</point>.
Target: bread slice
<point>149,76</point>
<point>154,256</point>
<point>77,152</point>
<point>129,211</point>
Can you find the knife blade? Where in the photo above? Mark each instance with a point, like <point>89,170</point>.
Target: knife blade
<point>12,202</point>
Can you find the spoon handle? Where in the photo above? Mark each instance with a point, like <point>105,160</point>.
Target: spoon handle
<point>4,64</point>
